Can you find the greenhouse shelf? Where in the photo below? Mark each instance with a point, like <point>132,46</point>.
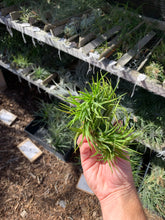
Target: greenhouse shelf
<point>116,68</point>
<point>56,91</point>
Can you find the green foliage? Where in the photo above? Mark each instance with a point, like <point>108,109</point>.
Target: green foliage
<point>153,189</point>
<point>95,110</point>
<point>59,136</point>
<point>147,114</point>
<point>52,10</point>
<point>40,73</point>
<point>26,13</point>
<point>44,112</point>
<point>159,53</point>
<point>7,3</point>
<point>137,164</point>
<point>21,61</point>
<point>155,70</point>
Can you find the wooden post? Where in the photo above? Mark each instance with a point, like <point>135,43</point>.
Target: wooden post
<point>3,85</point>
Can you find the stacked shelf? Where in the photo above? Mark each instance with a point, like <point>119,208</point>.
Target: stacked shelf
<point>86,48</point>
<point>101,50</point>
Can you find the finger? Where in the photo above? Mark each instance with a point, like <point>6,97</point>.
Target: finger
<point>86,151</point>
<point>79,140</point>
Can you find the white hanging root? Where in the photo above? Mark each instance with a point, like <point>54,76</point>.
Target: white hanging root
<point>22,32</point>
<point>118,80</point>
<point>8,28</point>
<point>33,41</point>
<point>59,55</point>
<point>133,91</point>
<point>89,68</point>
<point>29,84</point>
<point>19,78</point>
<point>140,78</point>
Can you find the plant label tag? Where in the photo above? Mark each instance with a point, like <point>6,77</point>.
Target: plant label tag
<point>83,186</point>
<point>29,150</point>
<point>7,117</point>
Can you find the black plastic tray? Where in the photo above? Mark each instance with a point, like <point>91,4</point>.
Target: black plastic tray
<point>35,130</point>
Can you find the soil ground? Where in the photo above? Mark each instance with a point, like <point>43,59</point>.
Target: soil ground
<point>46,188</point>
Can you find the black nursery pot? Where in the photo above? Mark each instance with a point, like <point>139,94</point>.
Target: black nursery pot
<point>36,130</point>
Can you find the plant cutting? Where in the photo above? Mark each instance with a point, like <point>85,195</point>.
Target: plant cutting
<point>97,112</point>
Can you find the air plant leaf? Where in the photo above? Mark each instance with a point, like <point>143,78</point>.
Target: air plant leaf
<point>95,110</point>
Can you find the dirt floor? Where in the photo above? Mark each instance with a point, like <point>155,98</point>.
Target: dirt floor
<point>46,188</point>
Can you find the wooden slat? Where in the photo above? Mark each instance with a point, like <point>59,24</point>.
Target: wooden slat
<point>111,46</point>
<point>48,27</point>
<point>32,20</point>
<point>148,55</point>
<point>7,10</point>
<point>116,41</point>
<point>48,79</point>
<point>132,52</point>
<point>85,39</point>
<point>15,15</point>
<point>105,64</point>
<point>57,31</point>
<point>99,40</point>
<point>73,37</point>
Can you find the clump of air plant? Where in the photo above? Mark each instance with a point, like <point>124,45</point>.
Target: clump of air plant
<point>96,110</point>
<point>155,70</point>
<point>152,192</point>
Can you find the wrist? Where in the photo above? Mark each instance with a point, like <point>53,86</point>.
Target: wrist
<point>118,196</point>
<point>122,204</point>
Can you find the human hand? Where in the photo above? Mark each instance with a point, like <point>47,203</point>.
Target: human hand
<point>113,186</point>
<point>103,180</point>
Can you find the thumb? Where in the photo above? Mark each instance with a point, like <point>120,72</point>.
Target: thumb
<point>85,150</point>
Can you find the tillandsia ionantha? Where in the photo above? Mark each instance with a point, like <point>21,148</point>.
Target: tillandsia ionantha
<point>97,111</point>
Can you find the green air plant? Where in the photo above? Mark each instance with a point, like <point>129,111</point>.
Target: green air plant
<point>155,70</point>
<point>59,136</point>
<point>152,192</point>
<point>40,73</point>
<point>21,61</point>
<point>136,165</point>
<point>96,110</point>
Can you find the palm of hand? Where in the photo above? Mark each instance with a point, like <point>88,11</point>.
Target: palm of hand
<point>102,179</point>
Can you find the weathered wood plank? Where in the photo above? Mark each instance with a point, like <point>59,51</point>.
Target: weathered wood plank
<point>148,55</point>
<point>48,79</point>
<point>111,47</point>
<point>15,15</point>
<point>99,40</point>
<point>32,20</point>
<point>132,52</point>
<point>116,41</point>
<point>57,31</point>
<point>5,11</point>
<point>73,37</point>
<point>85,39</point>
<point>105,64</point>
